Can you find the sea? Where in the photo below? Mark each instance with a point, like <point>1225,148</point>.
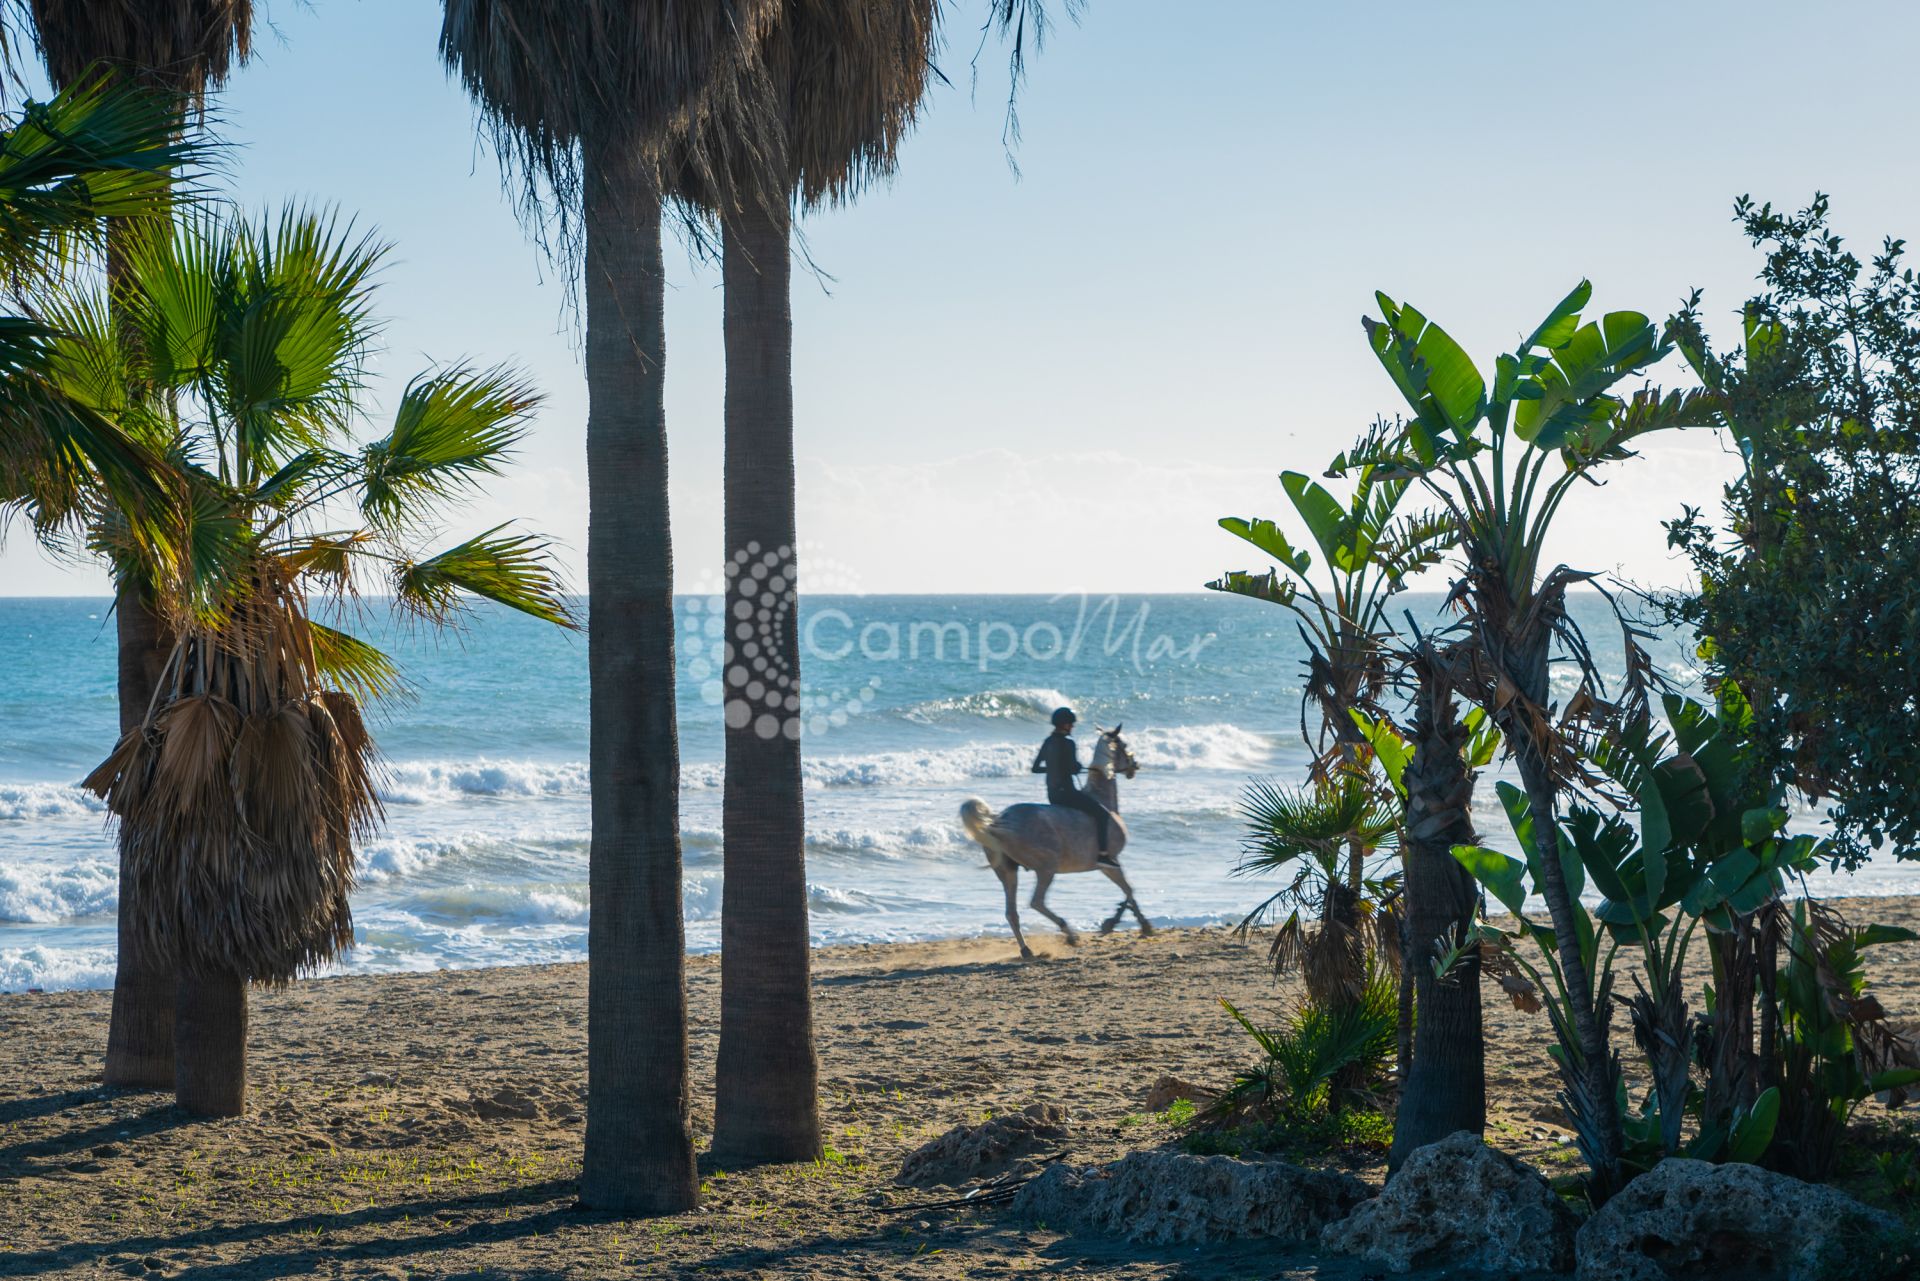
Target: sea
<point>910,705</point>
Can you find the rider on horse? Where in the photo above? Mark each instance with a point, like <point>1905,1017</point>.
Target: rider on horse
<point>1059,760</point>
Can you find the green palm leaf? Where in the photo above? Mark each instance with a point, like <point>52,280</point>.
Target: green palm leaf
<point>1319,822</point>
<point>452,429</point>
<point>515,570</point>
<point>95,150</point>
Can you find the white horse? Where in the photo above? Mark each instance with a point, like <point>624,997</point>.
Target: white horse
<point>1049,840</point>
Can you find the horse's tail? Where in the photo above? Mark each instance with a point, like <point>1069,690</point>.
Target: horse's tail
<point>978,820</point>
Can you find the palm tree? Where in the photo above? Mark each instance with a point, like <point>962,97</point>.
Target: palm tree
<point>1310,831</point>
<point>1368,555</point>
<point>816,114</point>
<point>1445,1086</point>
<point>238,351</point>
<point>1502,457</point>
<point>182,49</point>
<point>579,99</point>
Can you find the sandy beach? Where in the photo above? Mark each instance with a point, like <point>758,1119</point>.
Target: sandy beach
<point>430,1125</point>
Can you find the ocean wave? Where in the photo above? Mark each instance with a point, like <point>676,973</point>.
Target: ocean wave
<point>502,905</point>
<point>23,801</point>
<point>425,782</point>
<point>55,968</point>
<point>993,704</point>
<point>1179,747</point>
<point>1187,747</point>
<point>391,859</point>
<point>41,894</point>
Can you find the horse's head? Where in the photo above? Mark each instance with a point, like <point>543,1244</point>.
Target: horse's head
<point>1113,753</point>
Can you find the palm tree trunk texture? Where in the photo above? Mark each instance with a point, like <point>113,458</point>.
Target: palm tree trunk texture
<point>766,1104</point>
<point>210,1045</point>
<point>140,1032</point>
<point>639,1146</point>
<point>1446,1084</point>
<point>1591,1082</point>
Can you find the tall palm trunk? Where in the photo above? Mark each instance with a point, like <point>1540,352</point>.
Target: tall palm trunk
<point>1522,654</point>
<point>1446,1083</point>
<point>767,1078</point>
<point>639,1144</point>
<point>140,1032</point>
<point>210,1044</point>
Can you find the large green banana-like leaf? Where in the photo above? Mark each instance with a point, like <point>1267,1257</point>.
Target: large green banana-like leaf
<point>1432,371</point>
<point>1271,539</point>
<point>1572,389</point>
<point>1503,876</point>
<point>1325,518</point>
<point>1605,439</point>
<point>1562,321</point>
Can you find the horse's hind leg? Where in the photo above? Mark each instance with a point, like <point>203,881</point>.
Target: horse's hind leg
<point>1043,880</point>
<point>1009,874</point>
<point>1127,904</point>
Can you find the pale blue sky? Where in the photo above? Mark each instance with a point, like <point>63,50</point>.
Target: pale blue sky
<point>1162,313</point>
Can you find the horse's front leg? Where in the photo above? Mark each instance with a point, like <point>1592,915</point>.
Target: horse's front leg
<point>1009,874</point>
<point>1043,880</point>
<point>1127,904</point>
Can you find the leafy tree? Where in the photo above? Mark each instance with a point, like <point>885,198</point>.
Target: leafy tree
<point>1501,454</point>
<point>1808,597</point>
<point>1368,551</point>
<point>237,352</point>
<point>177,51</point>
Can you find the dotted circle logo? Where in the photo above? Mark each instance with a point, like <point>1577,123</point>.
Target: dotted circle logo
<point>733,645</point>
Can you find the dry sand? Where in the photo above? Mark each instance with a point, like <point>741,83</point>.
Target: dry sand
<point>430,1125</point>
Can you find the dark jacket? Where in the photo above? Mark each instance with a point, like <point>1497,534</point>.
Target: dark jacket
<point>1059,760</point>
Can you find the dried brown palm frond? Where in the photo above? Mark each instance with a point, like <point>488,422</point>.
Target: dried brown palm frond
<point>815,114</point>
<point>548,77</point>
<point>240,796</point>
<point>187,46</point>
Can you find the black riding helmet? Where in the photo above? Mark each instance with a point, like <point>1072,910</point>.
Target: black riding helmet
<point>1063,716</point>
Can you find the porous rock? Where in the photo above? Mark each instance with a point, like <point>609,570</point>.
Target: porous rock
<point>1169,1198</point>
<point>1687,1219</point>
<point>1169,1090</point>
<point>998,1146</point>
<point>1459,1203</point>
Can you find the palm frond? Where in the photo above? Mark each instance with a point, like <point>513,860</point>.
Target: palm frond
<point>515,570</point>
<point>1416,543</point>
<point>185,46</point>
<point>452,428</point>
<point>96,150</point>
<point>365,671</point>
<point>290,354</point>
<point>1318,822</point>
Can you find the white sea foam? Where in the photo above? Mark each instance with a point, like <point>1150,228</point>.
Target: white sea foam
<point>993,704</point>
<point>497,905</point>
<point>427,782</point>
<point>27,801</point>
<point>55,967</point>
<point>36,893</point>
<point>398,860</point>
